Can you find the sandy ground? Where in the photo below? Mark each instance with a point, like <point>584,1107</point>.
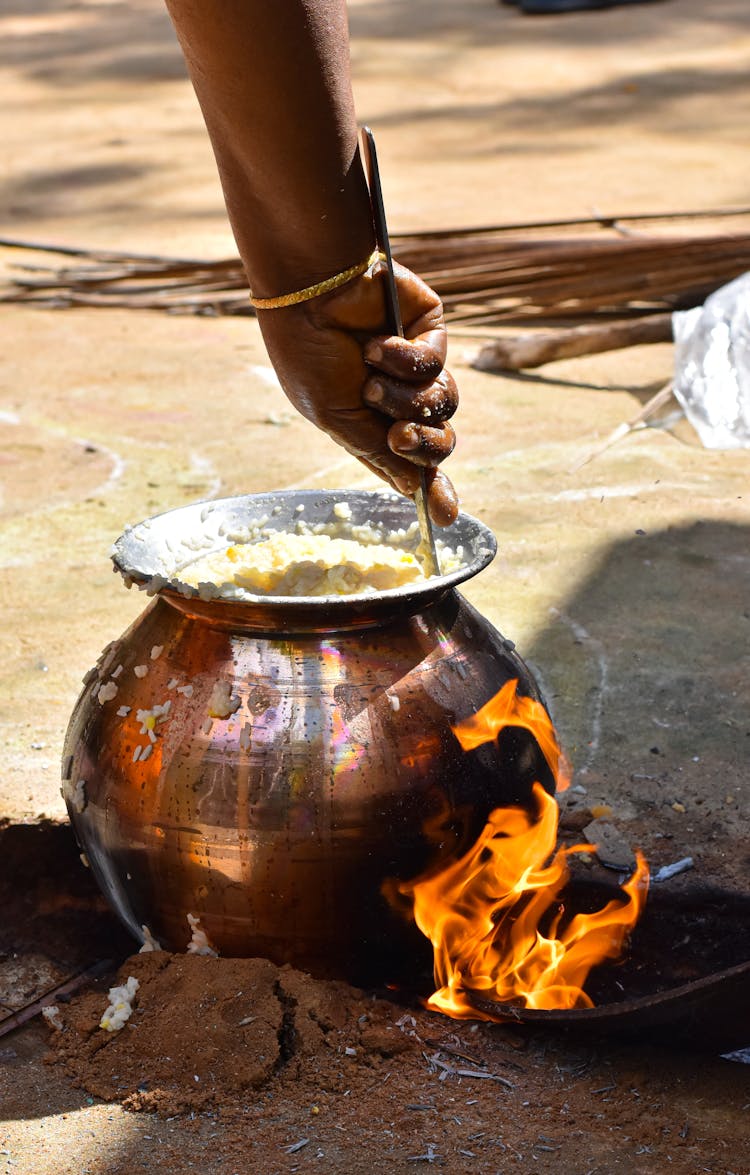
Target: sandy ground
<point>625,582</point>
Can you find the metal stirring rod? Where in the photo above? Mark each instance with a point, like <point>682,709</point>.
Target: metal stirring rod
<point>427,548</point>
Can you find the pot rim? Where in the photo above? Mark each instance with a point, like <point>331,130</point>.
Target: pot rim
<point>151,553</point>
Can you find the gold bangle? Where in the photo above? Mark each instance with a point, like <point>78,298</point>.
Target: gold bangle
<point>324,287</point>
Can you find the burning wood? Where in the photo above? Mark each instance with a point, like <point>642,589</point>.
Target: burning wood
<point>495,917</point>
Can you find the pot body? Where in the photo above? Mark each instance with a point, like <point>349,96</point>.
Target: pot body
<point>283,824</point>
<point>274,768</point>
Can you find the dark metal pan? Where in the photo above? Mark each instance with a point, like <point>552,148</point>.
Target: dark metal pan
<point>703,929</point>
<point>711,1014</point>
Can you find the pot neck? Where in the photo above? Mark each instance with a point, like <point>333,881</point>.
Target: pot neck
<point>272,617</point>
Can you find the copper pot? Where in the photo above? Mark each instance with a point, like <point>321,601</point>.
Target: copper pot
<point>282,825</point>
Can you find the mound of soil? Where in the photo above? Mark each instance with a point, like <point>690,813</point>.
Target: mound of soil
<point>207,1031</point>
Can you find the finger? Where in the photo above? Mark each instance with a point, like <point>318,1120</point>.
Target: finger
<point>442,499</point>
<point>415,360</point>
<point>402,401</point>
<point>421,352</point>
<point>420,443</point>
<point>421,308</point>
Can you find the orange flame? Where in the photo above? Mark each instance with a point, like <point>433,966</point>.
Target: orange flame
<point>508,709</point>
<point>485,912</point>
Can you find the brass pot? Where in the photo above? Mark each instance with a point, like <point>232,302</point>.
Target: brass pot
<point>282,824</point>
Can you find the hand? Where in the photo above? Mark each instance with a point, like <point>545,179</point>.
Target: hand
<point>385,399</point>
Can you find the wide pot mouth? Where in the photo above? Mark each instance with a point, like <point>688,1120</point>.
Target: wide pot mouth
<point>153,553</point>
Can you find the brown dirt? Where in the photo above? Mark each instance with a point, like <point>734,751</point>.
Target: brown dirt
<point>290,1069</point>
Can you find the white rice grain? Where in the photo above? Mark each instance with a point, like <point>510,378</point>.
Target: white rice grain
<point>107,692</point>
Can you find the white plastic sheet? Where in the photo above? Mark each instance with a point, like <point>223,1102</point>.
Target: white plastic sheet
<point>712,366</point>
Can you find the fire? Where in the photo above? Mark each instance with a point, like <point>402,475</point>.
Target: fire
<point>508,709</point>
<point>495,917</point>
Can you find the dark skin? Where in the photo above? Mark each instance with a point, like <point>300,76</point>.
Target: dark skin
<point>272,78</point>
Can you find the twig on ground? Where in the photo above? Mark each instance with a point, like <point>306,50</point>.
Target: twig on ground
<point>662,397</point>
<point>489,1076</point>
<point>296,1146</point>
<point>67,987</point>
<point>447,1070</point>
<point>444,1048</point>
<point>429,1156</point>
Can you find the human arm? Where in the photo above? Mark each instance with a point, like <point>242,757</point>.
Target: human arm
<point>272,79</point>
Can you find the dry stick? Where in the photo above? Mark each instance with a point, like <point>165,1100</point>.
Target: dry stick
<point>64,300</point>
<point>443,1048</point>
<point>16,1019</point>
<point>555,266</point>
<point>533,350</point>
<point>662,397</point>
<point>119,281</point>
<point>570,303</point>
<point>581,257</point>
<point>76,296</point>
<point>601,220</point>
<point>587,279</point>
<point>131,282</point>
<point>92,254</point>
<point>613,258</point>
<point>577,302</point>
<point>478,1073</point>
<point>479,254</point>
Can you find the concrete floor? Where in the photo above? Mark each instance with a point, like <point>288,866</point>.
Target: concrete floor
<point>625,582</point>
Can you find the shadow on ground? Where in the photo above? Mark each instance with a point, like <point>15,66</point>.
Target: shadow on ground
<point>646,669</point>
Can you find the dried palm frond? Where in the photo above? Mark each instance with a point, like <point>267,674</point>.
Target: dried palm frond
<point>487,277</point>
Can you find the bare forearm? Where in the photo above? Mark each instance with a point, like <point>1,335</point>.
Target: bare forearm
<point>272,78</point>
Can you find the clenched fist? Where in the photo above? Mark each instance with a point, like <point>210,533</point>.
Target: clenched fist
<point>385,399</point>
